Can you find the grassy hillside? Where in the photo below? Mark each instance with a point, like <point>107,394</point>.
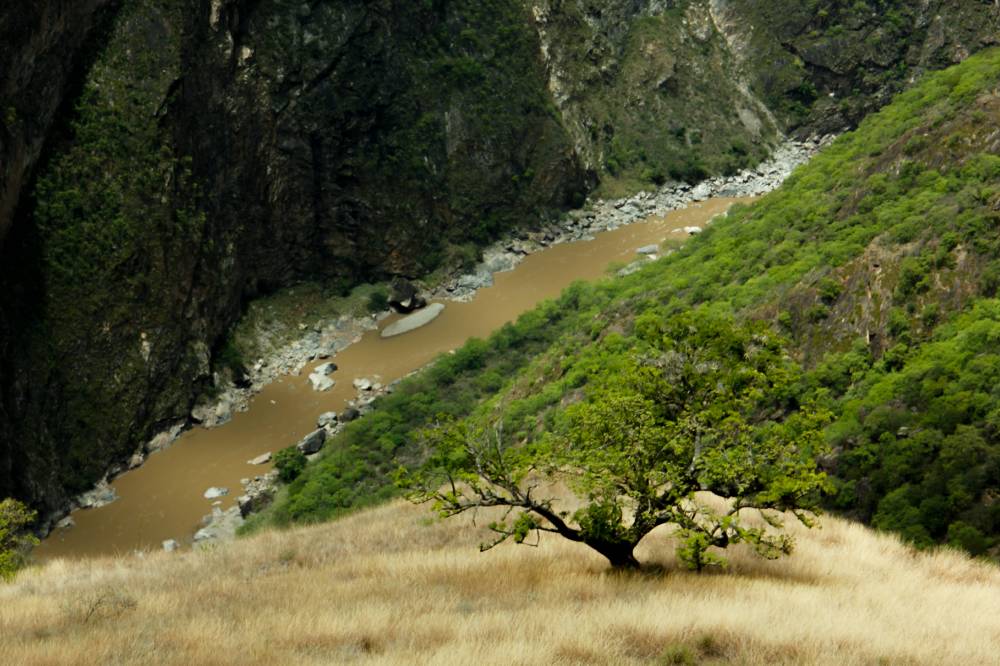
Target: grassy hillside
<point>862,260</point>
<point>389,586</point>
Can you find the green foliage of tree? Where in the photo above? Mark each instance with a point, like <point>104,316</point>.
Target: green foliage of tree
<point>15,540</point>
<point>289,462</point>
<point>698,410</point>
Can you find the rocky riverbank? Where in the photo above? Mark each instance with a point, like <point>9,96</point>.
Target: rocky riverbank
<point>325,338</point>
<point>606,215</point>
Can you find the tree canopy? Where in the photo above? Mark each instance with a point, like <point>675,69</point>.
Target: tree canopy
<point>702,406</point>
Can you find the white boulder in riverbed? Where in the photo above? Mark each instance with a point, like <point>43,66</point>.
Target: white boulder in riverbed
<point>326,419</point>
<point>363,384</point>
<point>413,321</point>
<point>325,369</point>
<point>262,459</point>
<point>215,492</point>
<point>648,249</point>
<point>170,545</point>
<point>321,382</point>
<point>320,377</point>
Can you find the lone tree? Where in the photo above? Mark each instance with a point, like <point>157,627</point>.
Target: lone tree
<point>15,542</point>
<point>703,406</point>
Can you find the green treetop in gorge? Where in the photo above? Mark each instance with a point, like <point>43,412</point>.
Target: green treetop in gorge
<point>703,406</point>
<point>14,541</point>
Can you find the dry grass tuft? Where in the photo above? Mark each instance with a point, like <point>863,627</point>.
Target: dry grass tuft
<point>387,586</point>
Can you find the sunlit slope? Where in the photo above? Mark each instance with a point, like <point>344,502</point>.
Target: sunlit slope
<point>391,586</point>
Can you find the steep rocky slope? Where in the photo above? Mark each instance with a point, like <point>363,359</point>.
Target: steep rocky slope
<point>217,150</point>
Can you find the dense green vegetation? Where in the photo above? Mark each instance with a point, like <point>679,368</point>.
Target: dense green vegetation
<point>289,462</point>
<point>921,437</point>
<point>867,258</point>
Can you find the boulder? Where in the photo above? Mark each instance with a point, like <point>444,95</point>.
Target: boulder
<point>312,442</point>
<point>66,523</point>
<point>325,369</point>
<point>170,545</point>
<point>212,415</point>
<point>262,459</point>
<point>326,419</point>
<point>702,192</point>
<point>102,495</point>
<point>648,249</point>
<point>215,491</point>
<point>363,384</point>
<point>349,414</point>
<point>252,503</point>
<point>204,534</point>
<point>692,230</point>
<point>321,382</point>
<point>404,297</point>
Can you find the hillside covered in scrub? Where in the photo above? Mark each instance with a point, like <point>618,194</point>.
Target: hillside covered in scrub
<point>877,263</point>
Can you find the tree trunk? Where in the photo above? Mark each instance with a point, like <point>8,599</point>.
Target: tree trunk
<point>619,554</point>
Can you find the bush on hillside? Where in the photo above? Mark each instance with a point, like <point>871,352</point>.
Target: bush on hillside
<point>289,462</point>
<point>15,541</point>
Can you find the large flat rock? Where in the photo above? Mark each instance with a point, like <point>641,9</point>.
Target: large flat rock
<point>413,321</point>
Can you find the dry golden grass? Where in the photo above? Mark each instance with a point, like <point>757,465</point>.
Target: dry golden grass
<point>390,586</point>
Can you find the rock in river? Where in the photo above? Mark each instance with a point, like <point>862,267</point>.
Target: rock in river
<point>648,249</point>
<point>326,419</point>
<point>214,492</point>
<point>413,321</point>
<point>321,382</point>
<point>102,495</point>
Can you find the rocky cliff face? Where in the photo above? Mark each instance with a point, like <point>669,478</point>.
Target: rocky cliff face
<point>822,67</point>
<point>46,51</point>
<point>212,150</point>
<point>220,149</point>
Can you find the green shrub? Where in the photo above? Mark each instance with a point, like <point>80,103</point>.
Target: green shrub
<point>15,540</point>
<point>829,290</point>
<point>378,301</point>
<point>290,463</point>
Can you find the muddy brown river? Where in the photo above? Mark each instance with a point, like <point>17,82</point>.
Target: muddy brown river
<point>163,498</point>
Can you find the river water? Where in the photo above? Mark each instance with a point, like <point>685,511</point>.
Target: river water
<point>163,498</point>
